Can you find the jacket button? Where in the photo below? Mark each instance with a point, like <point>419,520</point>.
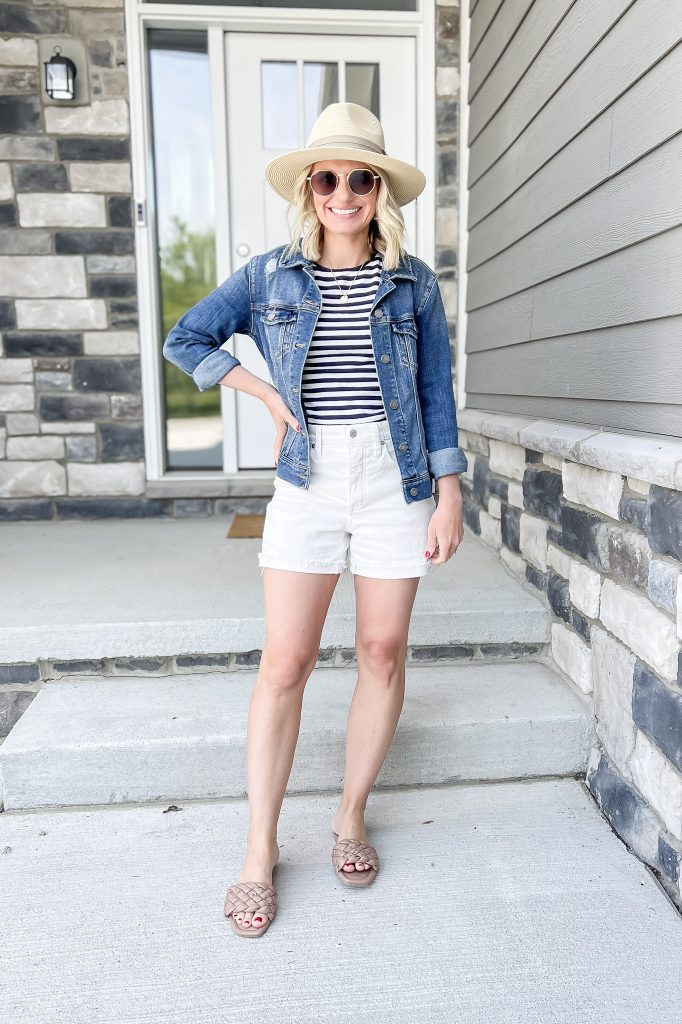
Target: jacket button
<point>385,358</point>
<point>378,312</point>
<point>413,491</point>
<point>393,403</point>
<point>403,446</point>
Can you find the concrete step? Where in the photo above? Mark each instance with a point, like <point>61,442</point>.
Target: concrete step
<point>163,588</point>
<point>112,740</point>
<point>512,902</point>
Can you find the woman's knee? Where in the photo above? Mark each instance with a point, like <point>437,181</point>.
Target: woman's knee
<point>284,669</point>
<point>382,655</point>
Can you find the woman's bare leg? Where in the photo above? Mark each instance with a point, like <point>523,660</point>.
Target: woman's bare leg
<point>383,611</point>
<point>296,605</point>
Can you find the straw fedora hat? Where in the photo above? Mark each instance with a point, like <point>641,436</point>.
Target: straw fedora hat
<point>346,131</point>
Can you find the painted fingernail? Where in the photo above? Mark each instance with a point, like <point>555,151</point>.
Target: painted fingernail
<point>428,554</point>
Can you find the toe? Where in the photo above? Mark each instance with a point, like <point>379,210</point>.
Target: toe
<point>349,867</point>
<point>246,923</point>
<point>259,919</point>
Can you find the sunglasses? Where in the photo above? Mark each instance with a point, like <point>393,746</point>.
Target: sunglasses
<point>360,181</point>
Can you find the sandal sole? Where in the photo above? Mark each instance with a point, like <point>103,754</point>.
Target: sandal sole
<point>249,933</point>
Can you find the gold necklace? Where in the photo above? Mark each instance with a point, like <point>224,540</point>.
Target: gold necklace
<point>344,295</point>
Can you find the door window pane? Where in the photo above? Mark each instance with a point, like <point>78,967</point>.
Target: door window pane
<point>362,85</point>
<point>185,215</point>
<point>320,88</point>
<point>279,87</point>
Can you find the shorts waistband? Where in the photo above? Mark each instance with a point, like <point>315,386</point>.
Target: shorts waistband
<point>349,433</point>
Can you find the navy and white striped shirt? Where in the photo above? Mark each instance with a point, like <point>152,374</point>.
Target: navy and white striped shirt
<point>340,382</point>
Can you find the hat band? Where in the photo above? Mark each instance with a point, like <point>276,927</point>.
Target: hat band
<point>347,140</point>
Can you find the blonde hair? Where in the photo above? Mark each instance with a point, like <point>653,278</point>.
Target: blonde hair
<point>385,233</point>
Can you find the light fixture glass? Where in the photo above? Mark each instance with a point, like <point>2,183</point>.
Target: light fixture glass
<point>60,73</point>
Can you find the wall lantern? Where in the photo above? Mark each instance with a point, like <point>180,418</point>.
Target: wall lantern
<point>60,73</point>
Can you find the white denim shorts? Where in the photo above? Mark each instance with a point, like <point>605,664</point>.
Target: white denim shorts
<point>353,516</point>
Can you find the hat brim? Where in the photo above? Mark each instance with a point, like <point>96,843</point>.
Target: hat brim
<point>407,181</point>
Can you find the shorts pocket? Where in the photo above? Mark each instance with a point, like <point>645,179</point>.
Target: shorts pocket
<point>389,447</point>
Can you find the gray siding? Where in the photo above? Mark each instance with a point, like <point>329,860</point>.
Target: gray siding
<point>574,290</point>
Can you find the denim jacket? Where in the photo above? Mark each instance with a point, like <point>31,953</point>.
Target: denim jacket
<point>275,300</point>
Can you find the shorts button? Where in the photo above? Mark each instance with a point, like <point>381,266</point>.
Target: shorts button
<point>353,432</point>
<point>393,403</point>
<point>403,447</point>
<point>385,358</point>
<point>294,388</point>
<point>413,491</point>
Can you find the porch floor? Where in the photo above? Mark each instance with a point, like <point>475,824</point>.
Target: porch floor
<point>152,587</point>
<point>512,902</point>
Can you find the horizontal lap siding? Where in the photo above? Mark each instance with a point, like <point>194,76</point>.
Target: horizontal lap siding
<point>574,290</point>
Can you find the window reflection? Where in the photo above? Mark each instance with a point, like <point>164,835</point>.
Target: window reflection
<point>320,88</point>
<point>185,214</point>
<point>362,85</point>
<point>279,87</point>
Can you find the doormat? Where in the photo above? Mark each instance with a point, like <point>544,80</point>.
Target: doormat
<point>247,526</point>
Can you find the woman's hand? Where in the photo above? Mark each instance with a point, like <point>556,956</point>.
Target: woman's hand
<point>446,528</point>
<point>281,415</point>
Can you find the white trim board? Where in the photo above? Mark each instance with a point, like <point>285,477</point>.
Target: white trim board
<point>217,20</point>
<point>463,192</point>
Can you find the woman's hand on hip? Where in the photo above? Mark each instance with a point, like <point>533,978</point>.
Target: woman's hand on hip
<point>282,416</point>
<point>446,528</point>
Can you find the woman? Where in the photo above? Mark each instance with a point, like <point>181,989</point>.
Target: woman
<point>354,335</point>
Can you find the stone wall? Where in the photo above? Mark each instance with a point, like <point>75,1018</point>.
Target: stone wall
<point>70,403</point>
<point>593,521</point>
<point>71,422</point>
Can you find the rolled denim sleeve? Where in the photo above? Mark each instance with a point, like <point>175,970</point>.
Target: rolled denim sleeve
<point>435,387</point>
<point>194,343</point>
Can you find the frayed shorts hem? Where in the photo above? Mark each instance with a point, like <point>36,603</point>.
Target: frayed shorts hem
<point>383,572</point>
<point>269,562</point>
<point>380,572</point>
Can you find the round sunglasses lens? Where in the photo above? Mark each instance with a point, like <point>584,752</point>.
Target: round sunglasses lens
<point>361,181</point>
<point>323,183</point>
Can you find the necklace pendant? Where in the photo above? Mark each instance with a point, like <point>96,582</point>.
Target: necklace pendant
<point>344,298</point>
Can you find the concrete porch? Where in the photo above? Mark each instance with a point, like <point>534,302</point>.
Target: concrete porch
<point>166,587</point>
<point>503,885</point>
<point>511,903</point>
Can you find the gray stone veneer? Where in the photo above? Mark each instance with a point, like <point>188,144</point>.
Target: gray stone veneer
<point>71,433</point>
<point>593,520</point>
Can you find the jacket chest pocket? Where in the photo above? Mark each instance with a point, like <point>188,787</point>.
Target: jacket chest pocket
<point>279,326</point>
<point>405,335</point>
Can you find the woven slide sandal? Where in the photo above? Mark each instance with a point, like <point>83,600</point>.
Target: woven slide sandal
<point>255,896</point>
<point>353,851</point>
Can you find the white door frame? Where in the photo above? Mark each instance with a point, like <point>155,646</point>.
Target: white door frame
<point>463,193</point>
<point>218,20</point>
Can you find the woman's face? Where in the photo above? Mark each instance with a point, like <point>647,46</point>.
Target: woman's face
<point>329,208</point>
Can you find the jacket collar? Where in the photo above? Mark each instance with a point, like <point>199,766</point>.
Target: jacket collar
<point>404,268</point>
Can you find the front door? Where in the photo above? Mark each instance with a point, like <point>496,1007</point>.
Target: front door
<point>276,87</point>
